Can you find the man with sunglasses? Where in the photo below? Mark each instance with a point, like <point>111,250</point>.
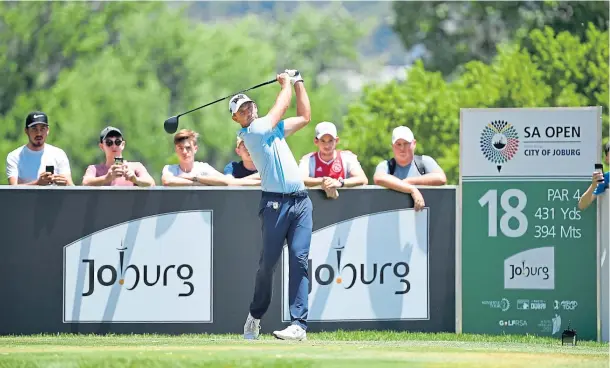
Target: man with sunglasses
<point>115,171</point>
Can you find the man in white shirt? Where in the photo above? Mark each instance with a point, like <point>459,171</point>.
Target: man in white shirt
<point>405,169</point>
<point>190,172</point>
<point>328,167</point>
<point>38,162</point>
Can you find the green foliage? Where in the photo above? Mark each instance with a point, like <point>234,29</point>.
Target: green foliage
<point>455,32</point>
<point>132,65</point>
<point>38,41</point>
<point>560,70</point>
<point>300,41</point>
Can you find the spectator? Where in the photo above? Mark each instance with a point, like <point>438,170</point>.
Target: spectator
<point>244,168</point>
<point>114,171</point>
<point>328,167</point>
<point>405,170</point>
<point>28,164</point>
<point>190,172</point>
<point>599,184</point>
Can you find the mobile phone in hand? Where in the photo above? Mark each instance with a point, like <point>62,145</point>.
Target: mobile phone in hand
<point>50,169</point>
<point>118,160</point>
<point>600,168</point>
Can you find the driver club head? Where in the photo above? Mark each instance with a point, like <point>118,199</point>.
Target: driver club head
<point>171,125</point>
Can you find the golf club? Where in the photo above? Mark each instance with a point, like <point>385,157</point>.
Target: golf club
<point>171,124</point>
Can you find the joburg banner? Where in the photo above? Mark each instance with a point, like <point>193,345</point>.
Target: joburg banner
<point>529,256</point>
<point>183,260</point>
<point>370,268</point>
<point>151,269</point>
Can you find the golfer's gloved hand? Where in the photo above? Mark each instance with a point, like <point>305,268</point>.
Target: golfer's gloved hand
<point>295,76</point>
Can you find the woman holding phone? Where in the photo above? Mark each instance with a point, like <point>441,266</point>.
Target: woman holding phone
<point>115,171</point>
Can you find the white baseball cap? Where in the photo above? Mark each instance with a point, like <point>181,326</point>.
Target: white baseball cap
<point>324,128</point>
<point>236,101</point>
<point>402,132</point>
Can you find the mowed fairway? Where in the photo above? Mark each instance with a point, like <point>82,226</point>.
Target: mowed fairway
<point>337,349</point>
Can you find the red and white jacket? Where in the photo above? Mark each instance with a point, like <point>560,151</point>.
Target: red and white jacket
<point>340,167</point>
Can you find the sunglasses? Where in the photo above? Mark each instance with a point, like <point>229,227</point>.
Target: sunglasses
<point>117,142</point>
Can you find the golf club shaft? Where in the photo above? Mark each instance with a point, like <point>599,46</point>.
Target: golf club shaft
<point>229,96</point>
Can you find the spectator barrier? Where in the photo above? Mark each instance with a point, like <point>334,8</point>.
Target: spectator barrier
<point>183,260</point>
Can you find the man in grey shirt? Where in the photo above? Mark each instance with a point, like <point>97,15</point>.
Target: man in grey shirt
<point>405,169</point>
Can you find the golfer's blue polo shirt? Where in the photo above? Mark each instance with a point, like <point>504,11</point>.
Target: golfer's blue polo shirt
<point>272,157</point>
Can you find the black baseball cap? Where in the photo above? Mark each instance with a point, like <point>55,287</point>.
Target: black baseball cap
<point>107,130</point>
<point>35,118</point>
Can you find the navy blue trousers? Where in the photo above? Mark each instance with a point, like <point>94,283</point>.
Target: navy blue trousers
<point>284,218</point>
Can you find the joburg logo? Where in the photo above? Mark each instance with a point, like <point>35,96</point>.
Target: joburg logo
<point>107,275</point>
<point>499,142</point>
<point>530,269</point>
<point>348,279</point>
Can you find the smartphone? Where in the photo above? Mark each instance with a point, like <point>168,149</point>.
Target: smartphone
<point>600,168</point>
<point>50,169</point>
<point>118,160</point>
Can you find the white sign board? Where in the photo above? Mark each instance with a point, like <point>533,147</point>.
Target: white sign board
<point>368,269</point>
<point>153,269</point>
<point>526,142</point>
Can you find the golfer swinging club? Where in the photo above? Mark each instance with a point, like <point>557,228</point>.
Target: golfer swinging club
<point>285,208</point>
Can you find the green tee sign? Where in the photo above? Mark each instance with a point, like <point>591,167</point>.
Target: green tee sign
<point>528,255</point>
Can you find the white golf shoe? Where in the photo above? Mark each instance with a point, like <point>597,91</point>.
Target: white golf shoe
<point>252,328</point>
<point>292,332</point>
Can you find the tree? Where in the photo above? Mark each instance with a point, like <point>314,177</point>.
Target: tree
<point>319,41</point>
<point>454,33</point>
<point>38,41</point>
<point>560,70</point>
<point>116,69</point>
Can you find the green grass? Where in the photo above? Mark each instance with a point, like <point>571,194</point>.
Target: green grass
<point>326,349</point>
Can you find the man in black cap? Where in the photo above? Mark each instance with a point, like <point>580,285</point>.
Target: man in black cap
<point>115,171</point>
<point>38,162</point>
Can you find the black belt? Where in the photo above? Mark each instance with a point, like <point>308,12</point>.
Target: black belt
<point>298,194</point>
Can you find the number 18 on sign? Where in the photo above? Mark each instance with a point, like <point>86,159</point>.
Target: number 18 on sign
<point>528,254</point>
